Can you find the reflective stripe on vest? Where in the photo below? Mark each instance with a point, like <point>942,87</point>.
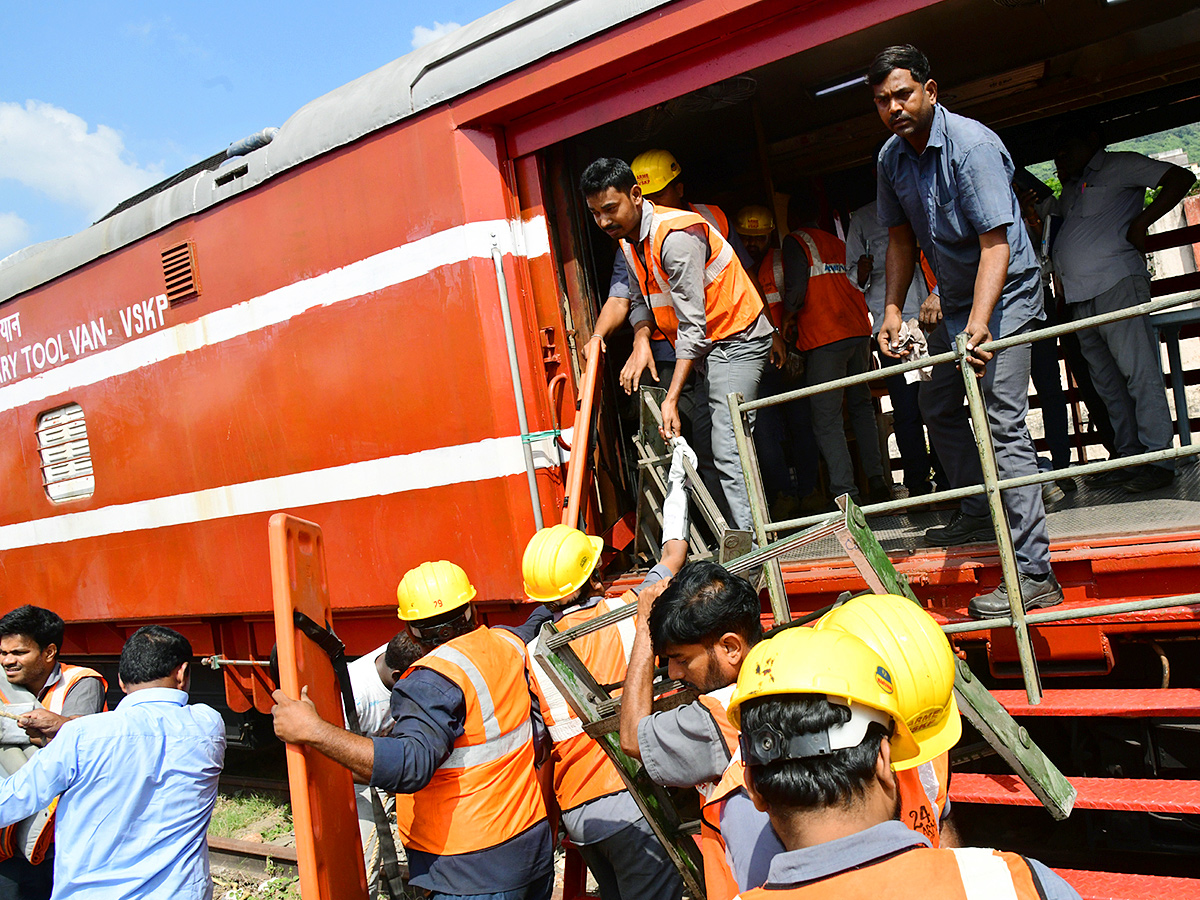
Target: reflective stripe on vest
<point>770,277</point>
<point>833,309</point>
<point>714,214</point>
<point>69,676</point>
<point>717,702</point>
<point>731,303</point>
<point>966,874</point>
<point>719,881</point>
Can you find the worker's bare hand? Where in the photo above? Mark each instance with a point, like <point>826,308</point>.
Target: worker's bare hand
<point>889,335</point>
<point>596,342</point>
<point>930,313</point>
<point>640,360</point>
<point>671,425</point>
<point>790,327</point>
<point>977,334</point>
<point>647,597</point>
<point>295,720</point>
<point>41,724</point>
<point>866,263</point>
<point>778,350</point>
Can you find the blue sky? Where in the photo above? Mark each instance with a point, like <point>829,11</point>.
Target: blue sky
<point>100,99</point>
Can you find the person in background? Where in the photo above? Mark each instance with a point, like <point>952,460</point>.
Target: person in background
<point>827,318</point>
<point>866,257</point>
<point>945,183</point>
<point>783,435</point>
<point>136,786</point>
<point>1099,257</point>
<point>820,735</point>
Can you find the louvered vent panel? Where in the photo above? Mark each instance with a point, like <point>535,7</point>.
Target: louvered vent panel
<point>179,272</point>
<point>66,455</point>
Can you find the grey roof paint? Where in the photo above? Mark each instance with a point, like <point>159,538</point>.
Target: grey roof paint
<point>498,44</point>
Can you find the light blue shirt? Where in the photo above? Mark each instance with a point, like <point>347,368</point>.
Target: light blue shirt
<point>137,786</point>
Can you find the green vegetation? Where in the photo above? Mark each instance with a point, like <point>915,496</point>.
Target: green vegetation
<point>1186,136</point>
<point>250,816</point>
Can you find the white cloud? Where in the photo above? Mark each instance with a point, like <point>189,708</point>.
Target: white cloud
<point>422,35</point>
<point>51,151</point>
<point>14,233</point>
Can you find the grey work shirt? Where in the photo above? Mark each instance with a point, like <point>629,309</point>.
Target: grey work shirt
<point>796,868</point>
<point>1090,252</point>
<point>867,237</point>
<point>684,257</point>
<point>959,188</point>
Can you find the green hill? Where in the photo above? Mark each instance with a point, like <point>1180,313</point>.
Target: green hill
<point>1186,136</point>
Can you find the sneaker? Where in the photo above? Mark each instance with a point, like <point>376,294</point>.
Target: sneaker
<point>1111,478</point>
<point>962,529</point>
<point>879,490</point>
<point>1036,593</point>
<point>1149,478</point>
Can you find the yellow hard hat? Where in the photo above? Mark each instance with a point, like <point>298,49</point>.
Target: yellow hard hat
<point>558,561</point>
<point>920,658</point>
<point>432,588</point>
<point>654,170</point>
<point>830,662</point>
<point>754,220</point>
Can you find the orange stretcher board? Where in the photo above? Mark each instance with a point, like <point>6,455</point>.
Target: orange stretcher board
<point>328,847</point>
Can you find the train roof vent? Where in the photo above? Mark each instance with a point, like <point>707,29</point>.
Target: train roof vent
<point>179,272</point>
<point>66,455</point>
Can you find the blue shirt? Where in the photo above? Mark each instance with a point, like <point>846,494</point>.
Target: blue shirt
<point>138,786</point>
<point>959,188</point>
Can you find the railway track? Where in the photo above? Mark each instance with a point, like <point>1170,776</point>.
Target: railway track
<point>247,858</point>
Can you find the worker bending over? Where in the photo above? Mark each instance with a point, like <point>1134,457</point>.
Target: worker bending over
<point>460,756</point>
<point>821,730</point>
<point>689,285</point>
<point>601,817</point>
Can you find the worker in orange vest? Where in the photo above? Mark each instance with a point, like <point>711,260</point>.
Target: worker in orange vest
<point>821,731</point>
<point>783,435</point>
<point>600,816</point>
<point>460,757</point>
<point>691,287</point>
<point>828,319</point>
<point>30,639</point>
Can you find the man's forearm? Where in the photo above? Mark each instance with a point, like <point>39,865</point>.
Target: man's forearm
<point>637,695</point>
<point>1173,187</point>
<point>683,371</point>
<point>612,314</point>
<point>901,265</point>
<point>989,279</point>
<point>354,751</point>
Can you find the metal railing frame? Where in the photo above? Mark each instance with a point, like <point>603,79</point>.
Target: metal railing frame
<point>992,485</point>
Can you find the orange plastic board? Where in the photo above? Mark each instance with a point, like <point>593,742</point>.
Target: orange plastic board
<point>328,848</point>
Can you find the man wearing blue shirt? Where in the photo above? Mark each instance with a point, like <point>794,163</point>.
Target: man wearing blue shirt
<point>946,181</point>
<point>136,786</point>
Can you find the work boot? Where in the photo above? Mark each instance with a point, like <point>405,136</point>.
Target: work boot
<point>1051,493</point>
<point>1149,478</point>
<point>1111,478</point>
<point>962,529</point>
<point>1036,593</point>
<point>1067,484</point>
<point>878,489</point>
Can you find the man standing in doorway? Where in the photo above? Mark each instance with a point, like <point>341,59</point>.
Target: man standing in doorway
<point>946,181</point>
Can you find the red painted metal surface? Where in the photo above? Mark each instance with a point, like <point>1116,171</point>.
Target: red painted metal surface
<point>1120,886</point>
<point>1157,702</point>
<point>1125,794</point>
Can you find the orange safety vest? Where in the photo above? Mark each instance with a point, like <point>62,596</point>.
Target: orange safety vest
<point>582,770</point>
<point>770,278</point>
<point>923,792</point>
<point>731,302</point>
<point>486,791</point>
<point>946,874</point>
<point>714,214</point>
<point>719,883</point>
<point>833,310</point>
<point>69,676</point>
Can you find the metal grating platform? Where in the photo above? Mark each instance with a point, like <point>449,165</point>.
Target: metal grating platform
<point>1089,512</point>
<point>1123,794</point>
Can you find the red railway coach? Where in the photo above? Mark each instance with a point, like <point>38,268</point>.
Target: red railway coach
<point>315,322</point>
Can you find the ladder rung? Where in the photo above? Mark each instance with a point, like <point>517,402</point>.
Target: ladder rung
<point>1120,886</point>
<point>1158,795</point>
<point>1170,702</point>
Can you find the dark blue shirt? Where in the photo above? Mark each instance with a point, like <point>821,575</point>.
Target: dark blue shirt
<point>430,710</point>
<point>957,189</point>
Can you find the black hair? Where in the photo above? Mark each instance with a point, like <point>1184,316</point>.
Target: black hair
<point>899,56</point>
<point>43,626</point>
<point>437,630</point>
<point>402,651</point>
<point>803,206</point>
<point>153,652</point>
<point>703,602</point>
<point>604,173</point>
<point>839,778</point>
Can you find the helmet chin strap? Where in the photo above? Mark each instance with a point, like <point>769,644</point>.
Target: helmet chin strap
<point>767,744</point>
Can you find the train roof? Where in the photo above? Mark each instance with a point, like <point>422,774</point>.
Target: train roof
<point>498,44</point>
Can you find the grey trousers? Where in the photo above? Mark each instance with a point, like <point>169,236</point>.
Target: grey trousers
<point>732,366</point>
<point>1126,368</point>
<point>849,356</point>
<point>1005,386</point>
<point>632,865</point>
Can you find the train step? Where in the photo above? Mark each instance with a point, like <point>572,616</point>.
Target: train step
<point>1119,886</point>
<point>1158,702</point>
<point>1125,794</point>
